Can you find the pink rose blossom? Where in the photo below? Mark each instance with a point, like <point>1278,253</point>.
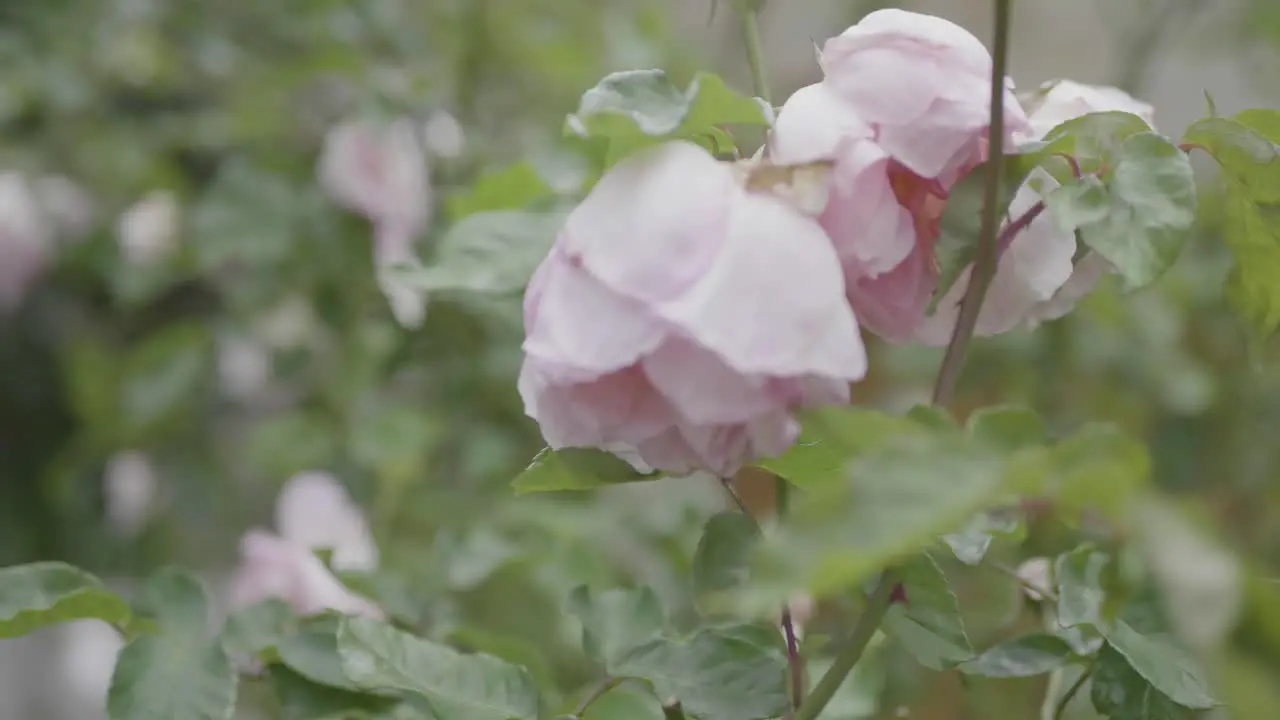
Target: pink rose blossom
<point>679,319</point>
<point>313,512</point>
<point>903,109</point>
<point>26,239</point>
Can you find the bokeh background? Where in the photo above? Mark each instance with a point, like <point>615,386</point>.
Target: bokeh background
<point>164,371</point>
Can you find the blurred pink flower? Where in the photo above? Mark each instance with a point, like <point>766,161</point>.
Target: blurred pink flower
<point>380,171</point>
<point>26,239</point>
<point>679,319</point>
<point>903,109</point>
<point>313,512</point>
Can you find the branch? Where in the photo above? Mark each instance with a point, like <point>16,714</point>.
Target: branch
<point>985,261</point>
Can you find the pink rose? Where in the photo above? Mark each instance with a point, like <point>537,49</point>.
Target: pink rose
<point>313,512</point>
<point>26,240</point>
<point>679,319</point>
<point>903,109</point>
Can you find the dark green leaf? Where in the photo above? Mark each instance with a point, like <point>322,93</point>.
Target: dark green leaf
<point>180,672</point>
<point>1094,138</point>
<point>1164,665</point>
<point>718,674</point>
<point>1024,656</point>
<point>1151,212</point>
<point>723,556</point>
<point>312,652</point>
<point>376,656</point>
<point>511,188</point>
<point>162,374</point>
<point>1120,693</point>
<point>960,227</point>
<point>1078,577</point>
<point>615,621</point>
<point>928,625</point>
<point>40,594</point>
<point>576,469</point>
<point>302,699</point>
<point>488,252</point>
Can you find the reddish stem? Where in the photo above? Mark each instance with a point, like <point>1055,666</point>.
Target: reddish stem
<point>1071,160</point>
<point>1012,229</point>
<point>794,661</point>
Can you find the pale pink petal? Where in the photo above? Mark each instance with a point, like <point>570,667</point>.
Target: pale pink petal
<point>272,567</point>
<point>618,407</point>
<point>812,124</point>
<point>702,387</point>
<point>314,510</point>
<point>892,305</point>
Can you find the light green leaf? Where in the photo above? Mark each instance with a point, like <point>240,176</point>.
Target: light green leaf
<point>895,502</point>
<point>376,656</point>
<point>488,252</point>
<point>832,437</point>
<point>970,545</point>
<point>312,652</point>
<point>1093,138</point>
<point>1162,664</point>
<point>928,624</point>
<point>722,559</point>
<point>718,674</point>
<point>1152,209</point>
<point>626,702</point>
<point>1246,149</point>
<point>1099,467</point>
<point>258,628</point>
<point>180,672</point>
<point>960,227</point>
<point>162,375</point>
<point>1007,427</point>
<point>1078,576</point>
<point>41,594</point>
<point>616,621</point>
<point>932,416</point>
<point>576,469</point>
<point>859,695</point>
<point>634,108</point>
<point>1078,203</point>
<point>511,188</point>
<point>1023,656</point>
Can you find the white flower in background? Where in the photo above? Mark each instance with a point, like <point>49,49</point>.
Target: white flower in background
<point>380,172</point>
<point>443,136</point>
<point>26,239</point>
<point>288,325</point>
<point>312,512</point>
<point>67,205</point>
<point>1036,573</point>
<point>130,491</point>
<point>88,659</point>
<point>244,367</point>
<point>1061,100</point>
<point>148,231</point>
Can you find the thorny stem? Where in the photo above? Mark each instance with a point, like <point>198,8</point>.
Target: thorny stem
<point>1061,710</point>
<point>952,362</point>
<point>603,687</point>
<point>877,605</point>
<point>795,663</point>
<point>985,261</point>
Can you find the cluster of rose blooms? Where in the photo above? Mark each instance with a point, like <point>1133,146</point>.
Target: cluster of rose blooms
<point>681,318</point>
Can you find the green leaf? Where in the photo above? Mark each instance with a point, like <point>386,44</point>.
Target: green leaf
<point>1078,577</point>
<point>1023,656</point>
<point>1118,692</point>
<point>970,545</point>
<point>859,695</point>
<point>511,188</point>
<point>625,702</point>
<point>722,559</point>
<point>616,621</point>
<point>1162,664</point>
<point>1093,138</point>
<point>41,594</point>
<point>377,656</point>
<point>1246,149</point>
<point>181,672</point>
<point>488,252</point>
<point>312,652</point>
<point>576,469</point>
<point>1007,427</point>
<point>734,673</point>
<point>928,624</point>
<point>895,502</point>
<point>258,628</point>
<point>960,227</point>
<point>931,416</point>
<point>831,437</point>
<point>1099,467</point>
<point>634,108</point>
<point>1151,212</point>
<point>162,375</point>
<point>302,699</point>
